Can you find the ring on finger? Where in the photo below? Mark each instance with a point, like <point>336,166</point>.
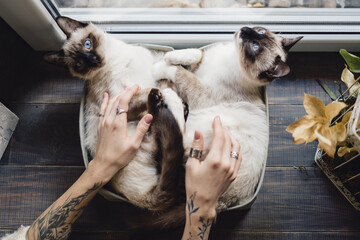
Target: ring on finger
<point>195,153</point>
<point>234,154</point>
<point>101,115</point>
<point>120,111</point>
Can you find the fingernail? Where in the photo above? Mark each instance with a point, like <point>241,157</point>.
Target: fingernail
<point>135,86</point>
<point>104,95</point>
<point>218,118</point>
<point>196,135</point>
<point>148,119</point>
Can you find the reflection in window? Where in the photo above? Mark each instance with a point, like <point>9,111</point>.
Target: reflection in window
<point>207,3</point>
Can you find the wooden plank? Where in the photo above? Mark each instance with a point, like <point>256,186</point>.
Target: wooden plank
<point>282,150</point>
<point>47,134</point>
<point>31,80</point>
<point>289,90</point>
<point>290,200</point>
<point>305,68</point>
<point>25,77</point>
<point>233,235</point>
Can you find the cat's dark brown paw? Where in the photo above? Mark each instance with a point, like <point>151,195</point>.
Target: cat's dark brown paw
<point>155,101</point>
<point>186,110</point>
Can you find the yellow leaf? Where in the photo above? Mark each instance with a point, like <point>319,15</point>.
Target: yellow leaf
<point>314,106</point>
<point>333,109</point>
<point>303,130</point>
<point>326,141</point>
<point>344,150</point>
<point>339,132</point>
<point>346,117</point>
<point>305,121</point>
<point>348,78</point>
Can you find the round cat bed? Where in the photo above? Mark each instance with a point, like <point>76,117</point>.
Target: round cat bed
<point>108,194</point>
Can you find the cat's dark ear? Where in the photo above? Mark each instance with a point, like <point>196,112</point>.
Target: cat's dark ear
<point>288,43</point>
<point>56,58</point>
<point>69,25</point>
<point>279,69</point>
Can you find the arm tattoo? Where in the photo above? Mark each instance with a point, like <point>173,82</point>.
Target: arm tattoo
<point>190,205</point>
<point>55,225</point>
<point>204,226</point>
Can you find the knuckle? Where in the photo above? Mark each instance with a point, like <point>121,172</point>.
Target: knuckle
<point>226,167</point>
<point>116,125</point>
<point>216,163</point>
<point>233,177</point>
<point>134,145</point>
<point>107,123</point>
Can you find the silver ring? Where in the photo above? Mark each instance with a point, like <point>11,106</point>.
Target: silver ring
<point>195,153</point>
<point>234,155</point>
<point>120,111</point>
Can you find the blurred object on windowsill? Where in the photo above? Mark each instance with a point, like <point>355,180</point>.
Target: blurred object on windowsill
<point>8,122</point>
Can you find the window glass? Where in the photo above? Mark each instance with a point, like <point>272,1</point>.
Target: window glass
<point>208,3</point>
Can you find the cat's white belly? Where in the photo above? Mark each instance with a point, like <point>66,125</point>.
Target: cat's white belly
<point>248,124</point>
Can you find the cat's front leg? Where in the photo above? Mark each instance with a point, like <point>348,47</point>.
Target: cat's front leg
<point>189,57</point>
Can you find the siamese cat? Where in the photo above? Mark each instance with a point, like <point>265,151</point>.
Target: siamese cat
<point>227,79</point>
<point>153,178</point>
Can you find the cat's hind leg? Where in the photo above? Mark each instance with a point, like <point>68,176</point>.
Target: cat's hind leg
<point>168,125</point>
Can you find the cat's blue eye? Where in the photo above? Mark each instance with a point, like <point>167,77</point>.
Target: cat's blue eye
<point>255,46</point>
<point>79,64</point>
<point>87,44</point>
<point>261,31</point>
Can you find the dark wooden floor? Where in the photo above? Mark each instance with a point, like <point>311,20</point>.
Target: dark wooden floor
<point>43,158</point>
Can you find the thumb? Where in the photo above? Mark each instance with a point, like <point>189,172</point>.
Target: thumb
<point>142,128</point>
<point>198,144</point>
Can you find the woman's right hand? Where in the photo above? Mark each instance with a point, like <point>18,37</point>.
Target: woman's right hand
<point>207,180</point>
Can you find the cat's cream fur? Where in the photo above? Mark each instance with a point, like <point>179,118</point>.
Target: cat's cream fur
<point>225,80</point>
<point>118,65</point>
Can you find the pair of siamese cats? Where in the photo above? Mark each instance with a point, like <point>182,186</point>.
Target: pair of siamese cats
<point>224,79</point>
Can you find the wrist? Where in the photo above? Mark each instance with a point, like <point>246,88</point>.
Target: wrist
<point>98,173</point>
<point>204,212</point>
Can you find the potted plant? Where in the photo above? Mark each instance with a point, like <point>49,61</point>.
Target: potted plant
<point>336,126</point>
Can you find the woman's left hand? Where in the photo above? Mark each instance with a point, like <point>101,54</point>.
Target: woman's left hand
<point>115,147</point>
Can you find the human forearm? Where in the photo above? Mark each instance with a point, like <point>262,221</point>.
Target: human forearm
<point>56,221</point>
<point>199,219</point>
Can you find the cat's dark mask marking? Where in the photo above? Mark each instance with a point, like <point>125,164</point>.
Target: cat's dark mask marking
<point>80,53</point>
<point>69,25</point>
<point>56,58</point>
<point>249,34</point>
<point>264,53</point>
<point>279,69</point>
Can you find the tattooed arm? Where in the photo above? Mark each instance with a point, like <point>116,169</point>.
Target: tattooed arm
<point>207,180</point>
<point>114,151</point>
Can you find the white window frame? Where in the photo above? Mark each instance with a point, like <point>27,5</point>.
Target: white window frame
<point>323,29</point>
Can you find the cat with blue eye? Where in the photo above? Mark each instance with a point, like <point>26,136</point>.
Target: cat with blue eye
<point>224,79</point>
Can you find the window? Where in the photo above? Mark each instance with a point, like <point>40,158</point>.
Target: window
<point>194,23</point>
<point>327,25</point>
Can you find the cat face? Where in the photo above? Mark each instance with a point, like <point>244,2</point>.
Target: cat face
<point>263,53</point>
<point>82,52</point>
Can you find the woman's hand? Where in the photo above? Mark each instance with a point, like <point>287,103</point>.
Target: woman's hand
<point>210,178</point>
<point>115,147</point>
<point>207,180</point>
